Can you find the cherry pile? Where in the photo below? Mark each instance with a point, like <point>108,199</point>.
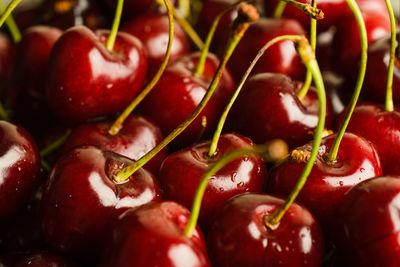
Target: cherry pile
<point>199,133</point>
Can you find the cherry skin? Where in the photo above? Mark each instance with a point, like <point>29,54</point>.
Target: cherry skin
<point>85,80</point>
<point>281,58</point>
<point>382,128</point>
<point>7,57</point>
<point>81,200</point>
<point>271,93</point>
<point>367,230</point>
<point>138,136</point>
<point>152,235</point>
<point>20,168</point>
<point>26,95</point>
<point>178,93</point>
<point>240,238</point>
<point>44,259</point>
<point>182,171</point>
<point>327,183</point>
<point>152,29</point>
<point>377,69</point>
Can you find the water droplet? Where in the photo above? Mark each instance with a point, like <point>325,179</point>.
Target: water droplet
<point>246,159</point>
<point>362,170</point>
<point>341,183</point>
<point>241,184</point>
<point>221,189</point>
<point>69,99</point>
<point>19,169</point>
<point>109,86</point>
<point>55,205</point>
<point>233,177</point>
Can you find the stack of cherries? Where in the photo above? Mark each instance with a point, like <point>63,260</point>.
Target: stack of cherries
<point>199,133</point>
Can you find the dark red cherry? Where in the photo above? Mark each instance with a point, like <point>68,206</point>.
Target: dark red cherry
<point>182,171</point>
<point>281,58</point>
<point>240,238</point>
<point>19,168</point>
<point>26,90</point>
<point>328,182</point>
<point>7,55</point>
<point>152,235</point>
<point>152,29</point>
<point>85,80</point>
<point>138,136</point>
<point>44,259</point>
<point>367,228</point>
<point>382,128</point>
<point>268,108</point>
<point>179,92</point>
<point>81,201</point>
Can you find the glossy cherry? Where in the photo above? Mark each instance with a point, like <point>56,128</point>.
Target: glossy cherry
<point>328,182</point>
<point>44,259</point>
<point>19,168</point>
<point>81,200</point>
<point>281,58</point>
<point>85,80</point>
<point>152,235</point>
<point>152,30</point>
<point>138,136</point>
<point>179,92</point>
<point>367,230</point>
<point>239,237</point>
<point>182,171</point>
<point>268,93</point>
<point>7,54</point>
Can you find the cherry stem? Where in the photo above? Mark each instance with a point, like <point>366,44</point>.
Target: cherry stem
<point>114,29</point>
<point>279,9</point>
<point>187,27</point>
<point>9,9</point>
<point>117,125</point>
<point>264,150</point>
<point>12,25</point>
<point>240,26</point>
<point>204,51</point>
<point>214,142</point>
<point>302,92</point>
<point>311,11</point>
<point>46,166</point>
<point>389,106</point>
<point>184,7</point>
<point>55,145</point>
<point>308,57</point>
<point>360,79</point>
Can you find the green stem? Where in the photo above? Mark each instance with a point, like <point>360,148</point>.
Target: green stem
<point>279,9</point>
<point>311,11</point>
<point>55,145</point>
<point>220,126</point>
<point>3,113</point>
<point>360,79</point>
<point>308,58</point>
<point>184,7</point>
<point>9,9</point>
<point>117,125</point>
<point>313,40</point>
<point>389,84</point>
<point>241,25</point>
<point>114,30</point>
<point>12,25</point>
<point>46,166</point>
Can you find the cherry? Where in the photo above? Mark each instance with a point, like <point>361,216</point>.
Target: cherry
<point>367,230</point>
<point>268,93</point>
<point>152,236</point>
<point>138,136</point>
<point>239,236</point>
<point>85,80</point>
<point>152,30</point>
<point>82,182</point>
<point>7,54</point>
<point>182,171</point>
<point>19,168</point>
<point>328,182</point>
<point>281,58</point>
<point>27,96</point>
<point>44,259</point>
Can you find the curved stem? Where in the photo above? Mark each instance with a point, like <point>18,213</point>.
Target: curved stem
<point>114,30</point>
<point>55,145</point>
<point>389,84</point>
<point>313,41</point>
<point>221,122</point>
<point>12,25</point>
<point>117,125</point>
<point>9,9</point>
<point>360,79</point>
<point>279,9</point>
<point>311,11</point>
<point>241,25</point>
<point>311,63</point>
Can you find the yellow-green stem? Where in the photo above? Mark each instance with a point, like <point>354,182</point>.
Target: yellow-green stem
<point>12,25</point>
<point>389,106</point>
<point>311,11</point>
<point>360,79</point>
<point>55,145</point>
<point>279,9</point>
<point>115,26</point>
<point>9,9</point>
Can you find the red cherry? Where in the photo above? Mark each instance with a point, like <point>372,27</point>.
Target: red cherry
<point>19,168</point>
<point>138,136</point>
<point>85,80</point>
<point>327,183</point>
<point>81,200</point>
<point>239,236</point>
<point>182,171</point>
<point>7,55</point>
<point>152,235</point>
<point>367,230</point>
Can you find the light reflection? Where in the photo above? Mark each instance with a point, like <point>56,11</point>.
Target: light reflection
<point>104,192</point>
<point>182,255</point>
<point>305,240</point>
<point>144,198</point>
<point>9,159</point>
